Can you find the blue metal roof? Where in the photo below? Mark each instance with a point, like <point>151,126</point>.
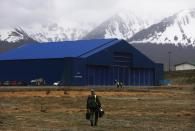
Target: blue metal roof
<point>57,49</point>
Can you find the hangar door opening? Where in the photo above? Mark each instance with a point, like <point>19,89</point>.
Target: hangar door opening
<point>123,71</point>
<point>120,69</point>
<point>133,76</point>
<point>141,77</point>
<point>97,75</point>
<point>102,75</point>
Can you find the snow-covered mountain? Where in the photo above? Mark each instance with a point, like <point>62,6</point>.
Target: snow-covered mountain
<point>13,35</point>
<point>45,33</point>
<point>57,32</point>
<point>12,38</point>
<point>123,25</point>
<point>178,29</point>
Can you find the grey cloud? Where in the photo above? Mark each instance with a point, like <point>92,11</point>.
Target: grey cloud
<point>24,12</point>
<point>29,12</point>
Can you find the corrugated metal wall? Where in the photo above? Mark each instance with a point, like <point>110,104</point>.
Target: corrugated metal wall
<point>50,70</point>
<point>102,75</point>
<point>97,75</point>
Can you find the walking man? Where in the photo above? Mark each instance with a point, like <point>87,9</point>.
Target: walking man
<point>93,106</point>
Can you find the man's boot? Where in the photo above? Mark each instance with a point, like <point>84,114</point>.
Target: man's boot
<point>96,121</point>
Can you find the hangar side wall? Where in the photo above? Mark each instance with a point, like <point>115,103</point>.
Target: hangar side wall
<point>78,72</point>
<point>51,70</point>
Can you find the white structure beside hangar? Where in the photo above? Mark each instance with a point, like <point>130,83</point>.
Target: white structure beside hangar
<point>185,66</point>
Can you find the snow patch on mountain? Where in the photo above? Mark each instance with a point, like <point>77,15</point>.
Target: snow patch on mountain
<point>12,35</point>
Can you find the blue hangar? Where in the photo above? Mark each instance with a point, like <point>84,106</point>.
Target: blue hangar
<point>80,63</point>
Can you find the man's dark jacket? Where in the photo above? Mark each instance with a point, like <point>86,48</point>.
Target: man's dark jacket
<point>93,98</point>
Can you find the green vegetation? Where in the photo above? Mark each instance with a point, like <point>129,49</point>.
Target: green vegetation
<point>181,77</point>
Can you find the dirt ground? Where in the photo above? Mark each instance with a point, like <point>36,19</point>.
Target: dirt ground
<point>157,109</point>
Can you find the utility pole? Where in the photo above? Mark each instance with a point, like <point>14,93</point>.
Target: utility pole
<point>169,53</point>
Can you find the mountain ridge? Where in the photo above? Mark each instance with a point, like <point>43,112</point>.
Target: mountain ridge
<point>176,29</point>
<point>122,25</point>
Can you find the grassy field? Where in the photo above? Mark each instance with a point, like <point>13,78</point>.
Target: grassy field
<point>155,109</point>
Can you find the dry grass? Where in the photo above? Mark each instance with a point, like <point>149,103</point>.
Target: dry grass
<point>170,108</point>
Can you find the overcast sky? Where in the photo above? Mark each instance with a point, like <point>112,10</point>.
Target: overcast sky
<point>29,12</point>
